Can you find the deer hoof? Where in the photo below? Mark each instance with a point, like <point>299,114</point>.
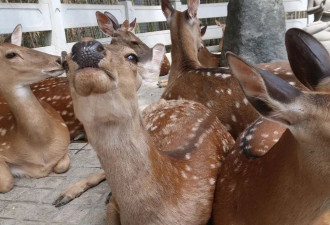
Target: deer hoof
<point>62,200</point>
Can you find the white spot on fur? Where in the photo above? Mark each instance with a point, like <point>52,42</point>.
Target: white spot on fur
<point>265,135</point>
<point>187,156</point>
<point>237,105</point>
<point>233,118</point>
<point>3,132</point>
<point>245,101</point>
<point>249,137</point>
<point>225,76</point>
<point>188,168</point>
<point>229,91</point>
<point>183,175</point>
<point>210,104</point>
<point>212,181</point>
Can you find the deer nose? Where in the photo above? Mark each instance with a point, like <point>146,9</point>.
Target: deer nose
<point>88,53</point>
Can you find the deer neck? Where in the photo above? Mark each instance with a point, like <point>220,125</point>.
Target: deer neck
<point>123,148</point>
<point>288,171</point>
<point>28,113</point>
<point>184,49</point>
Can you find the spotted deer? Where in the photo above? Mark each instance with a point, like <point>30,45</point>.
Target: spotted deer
<point>214,87</point>
<point>289,184</point>
<point>175,174</point>
<point>110,26</point>
<point>188,79</point>
<point>33,137</point>
<point>56,92</point>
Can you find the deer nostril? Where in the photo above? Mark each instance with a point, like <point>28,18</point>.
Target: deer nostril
<point>88,54</point>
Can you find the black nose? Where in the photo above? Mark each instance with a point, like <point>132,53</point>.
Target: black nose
<point>88,53</point>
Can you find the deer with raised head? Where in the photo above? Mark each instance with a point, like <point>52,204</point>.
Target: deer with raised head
<point>34,139</point>
<point>189,79</point>
<point>289,184</point>
<point>174,174</point>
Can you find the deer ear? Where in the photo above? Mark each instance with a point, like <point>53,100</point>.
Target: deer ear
<point>271,96</point>
<point>192,8</point>
<point>105,24</point>
<point>16,37</point>
<point>309,59</point>
<point>150,69</point>
<point>113,19</point>
<point>167,9</point>
<point>203,30</point>
<point>132,25</point>
<point>217,22</point>
<point>125,25</point>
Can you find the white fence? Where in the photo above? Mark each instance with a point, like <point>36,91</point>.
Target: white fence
<point>51,15</point>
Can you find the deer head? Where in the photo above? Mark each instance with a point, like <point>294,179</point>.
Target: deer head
<point>107,79</point>
<point>26,66</point>
<point>122,35</point>
<point>304,113</point>
<point>187,21</point>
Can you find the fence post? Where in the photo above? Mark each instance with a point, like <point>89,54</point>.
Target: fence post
<point>129,10</point>
<point>57,37</point>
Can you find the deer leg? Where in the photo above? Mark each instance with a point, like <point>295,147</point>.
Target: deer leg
<point>6,178</point>
<point>63,165</point>
<point>75,190</point>
<point>113,217</point>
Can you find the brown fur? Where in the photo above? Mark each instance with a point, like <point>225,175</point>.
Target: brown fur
<point>174,189</point>
<point>27,146</point>
<point>289,184</point>
<point>214,87</point>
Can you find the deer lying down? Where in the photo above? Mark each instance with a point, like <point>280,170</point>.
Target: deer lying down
<point>157,176</point>
<point>289,184</point>
<point>56,92</point>
<point>33,137</point>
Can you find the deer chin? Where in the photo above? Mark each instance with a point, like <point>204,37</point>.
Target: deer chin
<point>90,80</point>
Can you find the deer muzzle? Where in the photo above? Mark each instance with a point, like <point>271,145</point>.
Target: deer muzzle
<point>88,75</point>
<point>88,53</point>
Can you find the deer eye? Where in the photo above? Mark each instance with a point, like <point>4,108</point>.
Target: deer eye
<point>133,58</point>
<point>11,55</point>
<point>134,42</point>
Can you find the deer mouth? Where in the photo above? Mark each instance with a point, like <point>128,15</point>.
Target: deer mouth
<point>54,72</point>
<point>93,80</point>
